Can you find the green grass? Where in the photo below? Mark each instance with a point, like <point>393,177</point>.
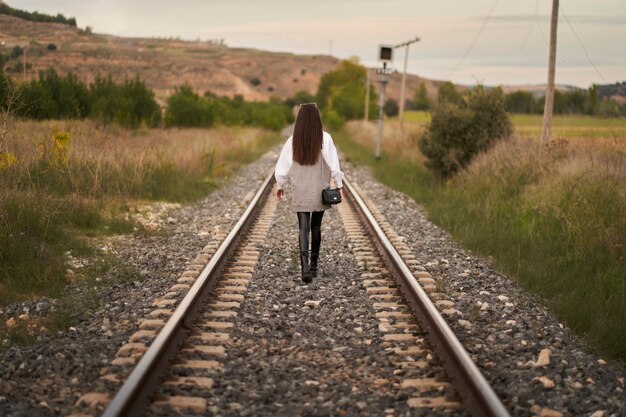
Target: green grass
<point>563,126</point>
<point>418,117</point>
<point>568,121</point>
<point>557,226</point>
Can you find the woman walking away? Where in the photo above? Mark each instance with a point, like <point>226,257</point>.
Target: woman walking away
<point>309,173</point>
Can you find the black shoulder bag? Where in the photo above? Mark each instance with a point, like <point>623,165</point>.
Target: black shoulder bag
<point>331,196</point>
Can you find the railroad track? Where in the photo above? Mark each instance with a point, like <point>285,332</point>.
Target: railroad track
<point>188,344</point>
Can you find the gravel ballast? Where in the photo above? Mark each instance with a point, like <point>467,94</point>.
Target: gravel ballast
<point>48,377</point>
<point>504,328</point>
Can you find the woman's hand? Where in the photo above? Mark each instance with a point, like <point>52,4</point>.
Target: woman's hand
<point>340,193</point>
<point>280,194</point>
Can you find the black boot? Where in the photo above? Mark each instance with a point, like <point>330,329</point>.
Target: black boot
<point>313,268</point>
<point>304,263</point>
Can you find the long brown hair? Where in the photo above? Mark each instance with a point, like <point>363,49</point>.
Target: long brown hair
<point>308,135</point>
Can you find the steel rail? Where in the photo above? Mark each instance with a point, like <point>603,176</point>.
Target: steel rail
<point>477,394</point>
<point>133,396</point>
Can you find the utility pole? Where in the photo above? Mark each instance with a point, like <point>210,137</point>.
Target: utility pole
<point>549,104</point>
<point>367,96</point>
<point>24,65</point>
<point>402,86</point>
<point>385,55</point>
<point>383,82</point>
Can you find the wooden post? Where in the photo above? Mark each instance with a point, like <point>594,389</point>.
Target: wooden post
<point>367,96</point>
<point>402,85</point>
<point>549,104</point>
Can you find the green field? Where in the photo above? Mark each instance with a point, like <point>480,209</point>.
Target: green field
<point>563,126</point>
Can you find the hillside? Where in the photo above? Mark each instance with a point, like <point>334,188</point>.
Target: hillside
<point>167,63</point>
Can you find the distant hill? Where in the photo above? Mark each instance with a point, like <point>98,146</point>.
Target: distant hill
<point>35,16</point>
<point>615,91</point>
<point>165,64</point>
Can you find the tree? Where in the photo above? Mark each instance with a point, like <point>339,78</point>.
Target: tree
<point>593,99</point>
<point>420,99</point>
<point>520,102</point>
<point>449,94</point>
<point>341,94</point>
<point>459,131</point>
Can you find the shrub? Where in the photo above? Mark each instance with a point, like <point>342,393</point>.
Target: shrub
<point>391,107</point>
<point>130,104</point>
<point>255,81</point>
<point>458,132</point>
<point>51,47</point>
<point>186,108</point>
<point>448,93</point>
<point>16,52</point>
<point>54,97</point>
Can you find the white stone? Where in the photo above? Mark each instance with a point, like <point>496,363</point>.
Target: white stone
<point>599,413</point>
<point>465,323</point>
<point>547,382</point>
<point>544,357</point>
<point>503,298</point>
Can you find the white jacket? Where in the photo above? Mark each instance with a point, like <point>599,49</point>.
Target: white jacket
<point>329,153</point>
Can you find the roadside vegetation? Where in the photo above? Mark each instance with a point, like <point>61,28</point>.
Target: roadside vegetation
<point>555,219</point>
<point>76,163</point>
<point>70,180</point>
<point>185,108</point>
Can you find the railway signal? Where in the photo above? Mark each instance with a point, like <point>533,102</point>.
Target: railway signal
<point>385,55</point>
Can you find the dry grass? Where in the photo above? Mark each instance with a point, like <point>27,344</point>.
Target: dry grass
<point>74,179</point>
<point>555,220</point>
<point>395,141</point>
<point>92,143</point>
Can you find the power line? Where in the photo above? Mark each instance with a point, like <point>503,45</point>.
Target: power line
<point>480,31</point>
<point>543,35</point>
<point>539,25</point>
<point>582,44</point>
<point>530,28</point>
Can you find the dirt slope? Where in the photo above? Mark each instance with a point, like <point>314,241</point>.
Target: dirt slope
<point>167,63</point>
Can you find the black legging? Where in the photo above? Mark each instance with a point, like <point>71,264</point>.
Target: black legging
<point>313,222</point>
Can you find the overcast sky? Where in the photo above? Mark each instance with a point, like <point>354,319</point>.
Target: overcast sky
<point>511,49</point>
